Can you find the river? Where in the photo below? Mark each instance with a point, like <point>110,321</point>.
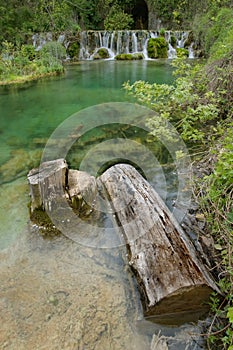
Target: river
<point>57,293</point>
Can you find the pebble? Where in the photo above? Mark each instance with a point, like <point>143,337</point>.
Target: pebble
<point>48,317</point>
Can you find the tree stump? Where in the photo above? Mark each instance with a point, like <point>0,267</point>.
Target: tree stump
<point>47,183</point>
<point>171,279</point>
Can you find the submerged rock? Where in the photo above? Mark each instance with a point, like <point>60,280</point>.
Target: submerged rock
<point>19,164</point>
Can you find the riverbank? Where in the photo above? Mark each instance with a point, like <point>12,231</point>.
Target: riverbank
<point>29,78</point>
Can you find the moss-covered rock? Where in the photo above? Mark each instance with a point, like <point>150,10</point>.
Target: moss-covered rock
<point>124,57</point>
<point>20,162</point>
<point>129,56</point>
<point>101,54</point>
<point>73,50</point>
<point>173,41</point>
<point>157,48</point>
<point>181,52</point>
<point>138,56</point>
<point>189,40</point>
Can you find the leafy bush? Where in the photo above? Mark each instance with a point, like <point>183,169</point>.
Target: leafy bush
<point>157,47</point>
<point>180,103</point>
<point>73,50</point>
<point>53,49</point>
<point>117,19</point>
<point>181,52</point>
<point>214,31</point>
<point>17,63</point>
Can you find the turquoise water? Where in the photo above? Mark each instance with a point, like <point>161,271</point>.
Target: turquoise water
<point>36,109</point>
<point>29,113</point>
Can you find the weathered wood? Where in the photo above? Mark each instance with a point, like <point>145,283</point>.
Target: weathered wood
<point>81,189</point>
<point>47,183</point>
<point>170,277</point>
<point>53,180</point>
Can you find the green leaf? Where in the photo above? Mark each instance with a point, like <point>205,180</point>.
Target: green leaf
<point>230,314</point>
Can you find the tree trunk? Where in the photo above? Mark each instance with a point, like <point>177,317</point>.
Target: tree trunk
<point>170,277</point>
<point>172,281</point>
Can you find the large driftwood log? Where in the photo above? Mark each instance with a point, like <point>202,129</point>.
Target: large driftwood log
<point>170,277</point>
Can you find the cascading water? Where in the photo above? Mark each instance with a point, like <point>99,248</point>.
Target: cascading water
<point>129,41</point>
<point>119,42</point>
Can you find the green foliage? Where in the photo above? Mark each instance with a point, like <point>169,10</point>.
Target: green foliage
<point>124,57</point>
<point>129,56</point>
<point>214,30</point>
<point>101,54</point>
<point>180,103</point>
<point>23,62</point>
<point>162,32</point>
<point>73,50</point>
<point>230,314</point>
<point>181,52</point>
<point>53,49</point>
<point>217,206</point>
<point>157,47</point>
<point>25,17</point>
<point>117,19</point>
<point>173,41</point>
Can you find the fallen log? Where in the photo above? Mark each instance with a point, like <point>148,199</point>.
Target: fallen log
<point>171,279</point>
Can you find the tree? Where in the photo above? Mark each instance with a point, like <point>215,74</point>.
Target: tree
<point>118,19</point>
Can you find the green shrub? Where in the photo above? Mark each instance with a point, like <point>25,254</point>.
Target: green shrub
<point>162,32</point>
<point>157,48</point>
<point>138,56</point>
<point>181,52</point>
<point>117,19</point>
<point>54,49</point>
<point>28,51</point>
<point>173,41</point>
<point>213,29</point>
<point>73,50</point>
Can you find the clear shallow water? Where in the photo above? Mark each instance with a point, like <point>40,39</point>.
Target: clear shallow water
<point>36,109</point>
<point>29,113</point>
<point>77,297</point>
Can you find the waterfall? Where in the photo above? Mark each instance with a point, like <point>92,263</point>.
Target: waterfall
<point>118,42</point>
<point>134,42</point>
<point>129,41</point>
